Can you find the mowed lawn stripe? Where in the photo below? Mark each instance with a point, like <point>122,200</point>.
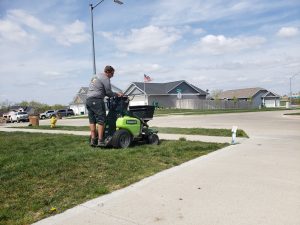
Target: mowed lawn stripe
<point>43,174</point>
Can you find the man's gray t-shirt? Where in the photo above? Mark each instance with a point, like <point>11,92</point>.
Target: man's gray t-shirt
<point>100,87</point>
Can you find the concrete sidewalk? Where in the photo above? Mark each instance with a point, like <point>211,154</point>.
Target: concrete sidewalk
<point>255,182</point>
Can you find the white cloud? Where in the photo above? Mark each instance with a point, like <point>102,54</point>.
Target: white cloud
<point>241,6</point>
<point>236,58</point>
<point>220,44</point>
<point>151,39</point>
<point>12,32</point>
<point>288,32</point>
<point>178,12</point>
<point>145,67</point>
<point>242,79</point>
<point>53,74</point>
<point>18,20</point>
<point>73,34</point>
<point>22,17</point>
<point>198,31</point>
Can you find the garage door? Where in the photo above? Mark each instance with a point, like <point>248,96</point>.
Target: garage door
<point>270,103</point>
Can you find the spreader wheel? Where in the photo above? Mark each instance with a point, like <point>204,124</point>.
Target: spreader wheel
<point>121,139</point>
<point>153,139</point>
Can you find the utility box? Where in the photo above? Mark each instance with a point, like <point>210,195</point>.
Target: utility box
<point>34,120</point>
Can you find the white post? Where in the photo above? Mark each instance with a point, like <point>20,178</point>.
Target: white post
<point>233,130</point>
<point>179,97</point>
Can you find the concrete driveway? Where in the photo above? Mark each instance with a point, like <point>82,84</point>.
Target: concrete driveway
<point>256,182</point>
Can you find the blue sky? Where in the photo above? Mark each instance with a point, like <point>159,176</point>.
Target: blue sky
<point>46,52</point>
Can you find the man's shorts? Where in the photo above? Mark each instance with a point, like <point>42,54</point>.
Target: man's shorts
<point>96,110</point>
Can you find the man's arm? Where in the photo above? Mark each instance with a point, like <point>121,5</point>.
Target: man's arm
<point>107,87</point>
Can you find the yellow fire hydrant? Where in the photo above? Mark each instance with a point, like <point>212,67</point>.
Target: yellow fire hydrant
<point>53,120</point>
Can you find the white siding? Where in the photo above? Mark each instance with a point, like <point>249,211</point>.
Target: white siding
<point>139,100</point>
<point>269,103</point>
<point>79,109</point>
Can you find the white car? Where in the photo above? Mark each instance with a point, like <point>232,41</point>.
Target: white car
<point>8,115</point>
<point>46,114</point>
<point>19,116</point>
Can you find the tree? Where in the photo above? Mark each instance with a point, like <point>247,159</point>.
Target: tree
<point>215,94</point>
<point>37,106</point>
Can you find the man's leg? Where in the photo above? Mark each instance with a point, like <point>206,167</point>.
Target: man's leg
<point>100,132</point>
<point>92,120</point>
<point>93,141</point>
<point>101,142</point>
<point>101,124</point>
<point>93,130</point>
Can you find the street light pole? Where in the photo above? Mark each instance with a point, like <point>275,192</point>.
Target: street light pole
<point>93,41</point>
<point>92,31</point>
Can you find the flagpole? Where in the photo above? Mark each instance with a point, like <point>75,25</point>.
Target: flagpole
<point>146,80</point>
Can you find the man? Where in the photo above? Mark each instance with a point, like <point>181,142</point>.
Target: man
<point>98,89</point>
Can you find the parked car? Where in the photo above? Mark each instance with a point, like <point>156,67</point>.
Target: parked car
<point>7,116</point>
<point>64,112</point>
<point>19,116</point>
<point>46,114</point>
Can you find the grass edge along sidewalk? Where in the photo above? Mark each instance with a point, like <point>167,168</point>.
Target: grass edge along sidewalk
<point>163,130</point>
<point>292,114</point>
<point>44,174</point>
<point>167,112</point>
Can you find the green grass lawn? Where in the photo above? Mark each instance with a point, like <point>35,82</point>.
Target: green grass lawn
<point>40,172</point>
<point>168,130</point>
<point>165,111</point>
<point>293,114</point>
<point>160,112</point>
<point>200,131</point>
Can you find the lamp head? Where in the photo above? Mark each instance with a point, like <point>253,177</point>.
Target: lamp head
<point>118,1</point>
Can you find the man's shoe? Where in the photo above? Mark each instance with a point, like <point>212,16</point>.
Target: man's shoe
<point>93,142</point>
<point>101,143</point>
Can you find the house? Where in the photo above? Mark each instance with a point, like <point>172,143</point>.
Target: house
<point>78,103</point>
<point>16,108</point>
<point>163,94</point>
<point>258,97</point>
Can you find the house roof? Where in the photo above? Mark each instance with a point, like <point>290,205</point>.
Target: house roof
<point>162,88</point>
<point>270,94</point>
<point>80,98</point>
<point>83,90</point>
<point>240,93</point>
<point>81,95</point>
<point>16,107</point>
<point>115,89</point>
<point>23,108</point>
<point>245,93</point>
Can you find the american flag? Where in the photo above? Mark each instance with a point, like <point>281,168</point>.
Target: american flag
<point>147,78</point>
